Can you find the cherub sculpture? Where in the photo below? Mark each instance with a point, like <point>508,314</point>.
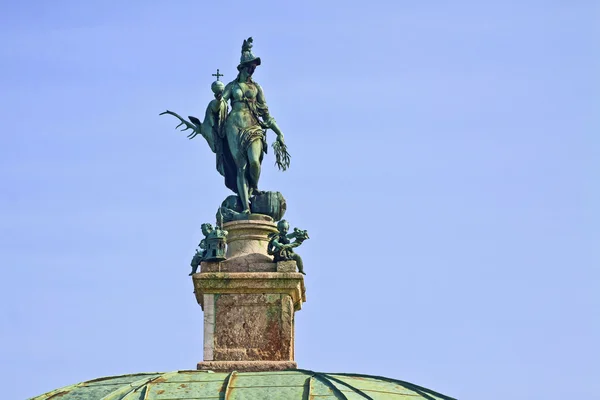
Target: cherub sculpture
<point>202,248</point>
<point>282,248</point>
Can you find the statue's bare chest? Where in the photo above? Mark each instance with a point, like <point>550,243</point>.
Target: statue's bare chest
<point>244,90</point>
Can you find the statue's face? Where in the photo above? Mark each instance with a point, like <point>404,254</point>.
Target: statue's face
<point>250,69</point>
<point>283,226</point>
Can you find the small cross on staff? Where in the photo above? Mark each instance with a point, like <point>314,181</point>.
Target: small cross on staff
<point>218,74</point>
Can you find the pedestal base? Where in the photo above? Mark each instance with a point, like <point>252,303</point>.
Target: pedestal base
<point>249,303</point>
<point>246,366</point>
<point>249,316</point>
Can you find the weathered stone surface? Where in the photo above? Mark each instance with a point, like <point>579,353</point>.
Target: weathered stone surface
<point>286,266</point>
<point>206,266</point>
<point>290,283</point>
<point>209,326</point>
<point>252,327</point>
<point>249,316</point>
<point>249,263</point>
<point>246,366</point>
<point>249,303</point>
<point>248,237</point>
<point>287,323</point>
<point>262,267</point>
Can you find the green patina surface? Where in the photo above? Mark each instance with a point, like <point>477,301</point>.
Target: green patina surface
<point>281,385</point>
<point>238,136</point>
<point>281,246</point>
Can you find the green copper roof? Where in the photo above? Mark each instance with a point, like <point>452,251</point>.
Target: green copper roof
<point>279,385</point>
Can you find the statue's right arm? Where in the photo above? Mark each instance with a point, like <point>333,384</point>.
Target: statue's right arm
<point>227,91</point>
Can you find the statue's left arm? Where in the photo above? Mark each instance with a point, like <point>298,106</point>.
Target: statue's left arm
<point>281,154</point>
<point>263,111</point>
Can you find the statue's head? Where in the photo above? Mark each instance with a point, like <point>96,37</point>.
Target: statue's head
<point>283,226</point>
<point>206,229</point>
<point>248,62</point>
<point>249,68</point>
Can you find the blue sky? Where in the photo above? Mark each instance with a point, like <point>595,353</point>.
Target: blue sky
<point>444,161</point>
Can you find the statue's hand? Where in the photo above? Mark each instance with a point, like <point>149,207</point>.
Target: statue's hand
<point>282,157</point>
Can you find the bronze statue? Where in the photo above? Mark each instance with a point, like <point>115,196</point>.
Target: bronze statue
<point>200,254</point>
<point>282,248</point>
<point>238,138</point>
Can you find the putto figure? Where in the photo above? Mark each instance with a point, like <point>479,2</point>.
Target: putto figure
<point>282,248</point>
<point>238,138</point>
<point>211,248</point>
<point>202,249</point>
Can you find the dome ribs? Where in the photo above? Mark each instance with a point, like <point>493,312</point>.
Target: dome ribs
<point>227,385</point>
<point>355,389</point>
<point>286,384</point>
<point>325,381</point>
<point>309,384</point>
<point>123,392</point>
<point>424,392</point>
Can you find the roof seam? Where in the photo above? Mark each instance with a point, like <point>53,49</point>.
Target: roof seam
<point>119,391</point>
<point>424,392</point>
<point>151,382</point>
<point>357,390</point>
<point>227,386</point>
<point>310,384</point>
<point>323,379</point>
<point>303,383</point>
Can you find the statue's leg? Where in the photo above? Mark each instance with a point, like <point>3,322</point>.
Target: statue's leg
<point>194,269</point>
<point>254,153</point>
<point>242,186</point>
<point>195,263</point>
<point>239,157</point>
<point>299,263</point>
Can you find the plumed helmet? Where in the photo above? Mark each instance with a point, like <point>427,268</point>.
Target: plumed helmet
<point>247,56</point>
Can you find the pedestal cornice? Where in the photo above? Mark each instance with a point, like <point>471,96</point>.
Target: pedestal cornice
<point>291,283</point>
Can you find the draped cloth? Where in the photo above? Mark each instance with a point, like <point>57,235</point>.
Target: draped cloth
<point>213,130</point>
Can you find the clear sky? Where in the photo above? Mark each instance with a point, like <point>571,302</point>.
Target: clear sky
<point>444,161</point>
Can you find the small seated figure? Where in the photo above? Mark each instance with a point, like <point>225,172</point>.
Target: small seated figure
<point>201,253</point>
<point>281,247</point>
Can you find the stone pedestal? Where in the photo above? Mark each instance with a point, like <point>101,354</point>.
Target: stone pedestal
<point>249,303</point>
<point>248,237</point>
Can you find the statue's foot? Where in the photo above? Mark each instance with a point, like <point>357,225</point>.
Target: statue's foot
<point>302,272</point>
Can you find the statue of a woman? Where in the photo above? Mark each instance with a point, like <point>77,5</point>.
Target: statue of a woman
<point>239,138</point>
